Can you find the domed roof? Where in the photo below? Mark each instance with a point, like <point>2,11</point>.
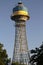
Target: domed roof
<point>19,7</point>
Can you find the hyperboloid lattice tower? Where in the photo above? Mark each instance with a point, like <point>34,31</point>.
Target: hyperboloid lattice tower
<point>20,15</point>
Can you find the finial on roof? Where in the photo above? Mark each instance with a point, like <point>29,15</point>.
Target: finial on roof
<point>19,2</point>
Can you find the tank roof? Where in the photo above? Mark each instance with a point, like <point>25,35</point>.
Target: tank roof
<point>20,6</point>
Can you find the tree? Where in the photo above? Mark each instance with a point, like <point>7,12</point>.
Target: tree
<point>17,63</point>
<point>37,55</point>
<point>3,56</point>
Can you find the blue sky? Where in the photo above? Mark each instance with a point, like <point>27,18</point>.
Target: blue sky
<point>34,26</point>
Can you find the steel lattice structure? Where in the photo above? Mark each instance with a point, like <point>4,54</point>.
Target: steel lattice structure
<point>20,15</point>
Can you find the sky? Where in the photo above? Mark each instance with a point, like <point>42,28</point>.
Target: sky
<point>34,26</point>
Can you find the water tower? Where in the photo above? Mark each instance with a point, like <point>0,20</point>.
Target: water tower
<point>20,15</point>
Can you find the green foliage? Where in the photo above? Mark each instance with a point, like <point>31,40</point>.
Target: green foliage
<point>16,63</point>
<point>1,63</point>
<point>37,56</point>
<point>3,56</point>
